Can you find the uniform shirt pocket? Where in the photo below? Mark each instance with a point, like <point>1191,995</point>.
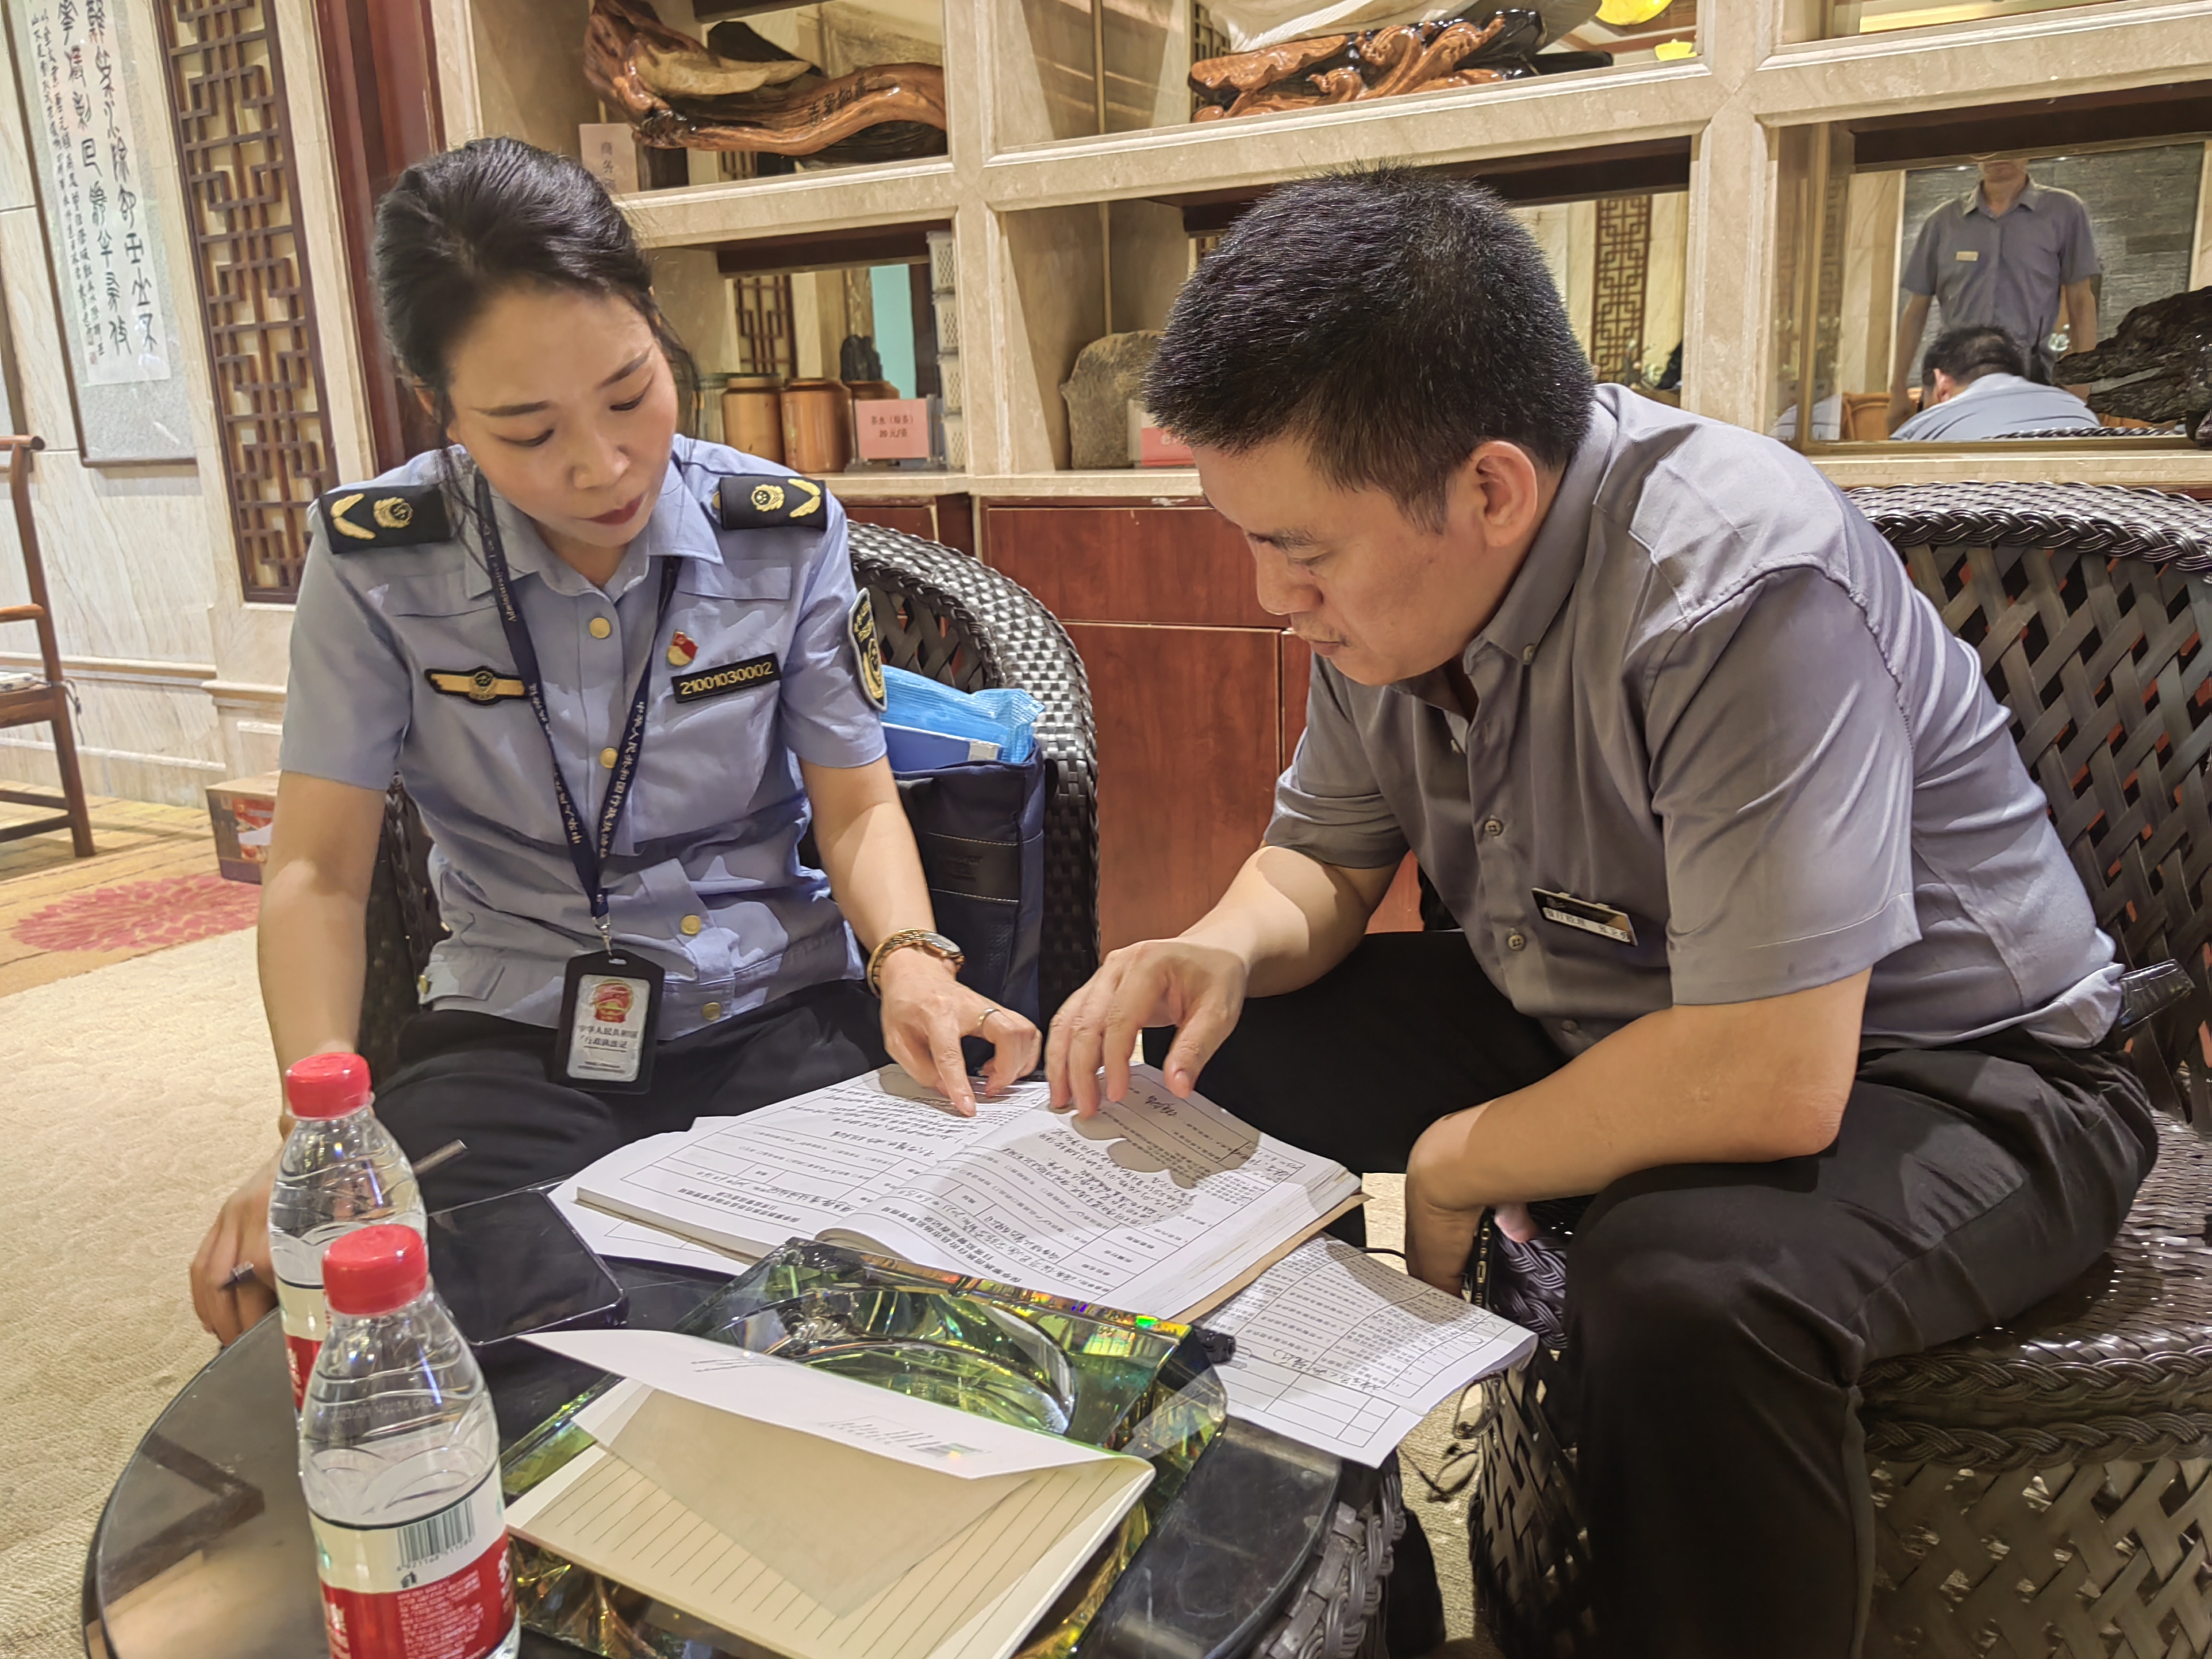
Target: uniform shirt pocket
<point>473,746</point>
<point>714,754</point>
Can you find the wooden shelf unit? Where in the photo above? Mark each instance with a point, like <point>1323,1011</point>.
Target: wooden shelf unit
<point>1063,230</point>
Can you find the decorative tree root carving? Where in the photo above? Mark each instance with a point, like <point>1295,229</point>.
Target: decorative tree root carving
<point>680,96</point>
<point>1343,69</point>
<point>2157,366</point>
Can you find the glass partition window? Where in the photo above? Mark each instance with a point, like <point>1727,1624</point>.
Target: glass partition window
<point>1093,284</point>
<point>1845,17</point>
<point>1990,299</point>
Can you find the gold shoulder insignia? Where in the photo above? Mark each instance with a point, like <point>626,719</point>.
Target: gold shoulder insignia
<point>750,501</point>
<point>362,516</point>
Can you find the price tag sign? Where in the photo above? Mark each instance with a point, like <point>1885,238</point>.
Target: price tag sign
<point>892,429</point>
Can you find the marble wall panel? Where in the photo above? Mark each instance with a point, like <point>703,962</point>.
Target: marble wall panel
<point>26,281</point>
<point>127,575</point>
<point>144,737</point>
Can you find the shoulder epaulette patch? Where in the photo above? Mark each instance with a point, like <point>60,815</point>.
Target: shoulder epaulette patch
<point>362,516</point>
<point>749,500</point>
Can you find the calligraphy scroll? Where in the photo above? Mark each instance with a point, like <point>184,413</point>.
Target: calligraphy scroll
<point>76,65</point>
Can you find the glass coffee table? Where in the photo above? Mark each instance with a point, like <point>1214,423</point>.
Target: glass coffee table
<point>204,1547</point>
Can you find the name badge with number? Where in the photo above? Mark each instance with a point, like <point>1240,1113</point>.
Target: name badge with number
<point>609,1009</point>
<point>1568,911</point>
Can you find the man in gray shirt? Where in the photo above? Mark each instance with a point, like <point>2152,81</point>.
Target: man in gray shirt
<point>1767,941</point>
<point>1975,387</point>
<point>2010,253</point>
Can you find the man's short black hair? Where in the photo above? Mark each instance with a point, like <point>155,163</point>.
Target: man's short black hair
<point>1392,319</point>
<point>1967,353</point>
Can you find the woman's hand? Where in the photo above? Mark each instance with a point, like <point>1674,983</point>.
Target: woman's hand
<point>238,1237</point>
<point>926,1010</point>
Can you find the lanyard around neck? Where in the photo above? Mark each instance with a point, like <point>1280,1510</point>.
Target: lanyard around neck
<point>589,853</point>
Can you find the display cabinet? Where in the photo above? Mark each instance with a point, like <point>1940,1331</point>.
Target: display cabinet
<point>1724,198</point>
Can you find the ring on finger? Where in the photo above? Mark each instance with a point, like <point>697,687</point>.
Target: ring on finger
<point>981,1019</point>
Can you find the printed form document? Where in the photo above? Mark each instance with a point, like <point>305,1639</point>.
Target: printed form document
<point>1343,1352</point>
<point>1156,1206</point>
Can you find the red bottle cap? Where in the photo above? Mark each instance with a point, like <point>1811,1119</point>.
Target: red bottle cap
<point>326,1085</point>
<point>375,1270</point>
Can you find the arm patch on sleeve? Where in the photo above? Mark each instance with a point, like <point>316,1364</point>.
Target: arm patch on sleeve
<point>867,650</point>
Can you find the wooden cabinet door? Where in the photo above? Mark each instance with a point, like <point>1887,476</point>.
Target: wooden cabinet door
<point>1188,720</point>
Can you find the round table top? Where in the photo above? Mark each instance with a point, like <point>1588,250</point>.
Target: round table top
<point>204,1547</point>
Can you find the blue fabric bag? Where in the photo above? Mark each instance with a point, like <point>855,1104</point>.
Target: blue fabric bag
<point>980,827</point>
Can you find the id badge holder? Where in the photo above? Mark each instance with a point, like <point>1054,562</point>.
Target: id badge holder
<point>609,1009</point>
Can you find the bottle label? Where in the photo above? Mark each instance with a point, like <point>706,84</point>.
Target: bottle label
<point>434,1588</point>
<point>306,1319</point>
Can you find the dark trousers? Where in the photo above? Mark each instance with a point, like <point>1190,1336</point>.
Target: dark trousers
<point>1719,1316</point>
<point>483,1080</point>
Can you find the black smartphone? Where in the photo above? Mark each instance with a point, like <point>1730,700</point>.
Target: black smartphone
<point>510,1265</point>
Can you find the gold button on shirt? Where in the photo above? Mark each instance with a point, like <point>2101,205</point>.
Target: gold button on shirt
<point>691,925</point>
<point>607,759</point>
<point>713,1011</point>
<point>601,627</point>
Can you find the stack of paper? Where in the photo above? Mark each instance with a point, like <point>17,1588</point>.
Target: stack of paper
<point>1343,1352</point>
<point>815,1516</point>
<point>1156,1206</point>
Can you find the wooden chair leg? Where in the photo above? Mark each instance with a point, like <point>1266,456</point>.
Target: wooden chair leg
<point>80,812</point>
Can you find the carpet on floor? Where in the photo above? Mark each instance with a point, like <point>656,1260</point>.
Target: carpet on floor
<point>137,1096</point>
<point>152,885</point>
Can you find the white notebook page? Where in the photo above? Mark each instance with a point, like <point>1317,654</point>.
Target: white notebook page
<point>975,1598</point>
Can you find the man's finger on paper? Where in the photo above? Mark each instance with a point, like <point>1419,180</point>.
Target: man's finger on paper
<point>1194,1043</point>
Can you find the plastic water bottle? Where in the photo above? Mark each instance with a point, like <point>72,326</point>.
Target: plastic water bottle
<point>341,1170</point>
<point>400,1457</point>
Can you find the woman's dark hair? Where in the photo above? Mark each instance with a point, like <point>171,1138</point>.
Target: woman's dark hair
<point>1392,319</point>
<point>1970,351</point>
<point>461,229</point>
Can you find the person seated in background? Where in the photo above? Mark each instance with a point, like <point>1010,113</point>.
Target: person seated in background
<point>618,711</point>
<point>1974,386</point>
<point>2011,255</point>
<point>1768,941</point>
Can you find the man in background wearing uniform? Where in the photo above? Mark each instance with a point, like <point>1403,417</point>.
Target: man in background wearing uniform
<point>1768,942</point>
<point>2011,255</point>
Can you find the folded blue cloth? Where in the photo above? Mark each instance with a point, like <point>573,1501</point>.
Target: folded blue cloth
<point>1005,715</point>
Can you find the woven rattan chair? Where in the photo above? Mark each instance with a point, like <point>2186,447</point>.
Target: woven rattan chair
<point>939,613</point>
<point>2044,1487</point>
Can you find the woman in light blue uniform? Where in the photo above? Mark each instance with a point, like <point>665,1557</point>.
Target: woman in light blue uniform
<point>622,672</point>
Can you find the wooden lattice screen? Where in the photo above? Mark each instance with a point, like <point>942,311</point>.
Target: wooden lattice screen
<point>765,325</point>
<point>1623,264</point>
<point>241,195</point>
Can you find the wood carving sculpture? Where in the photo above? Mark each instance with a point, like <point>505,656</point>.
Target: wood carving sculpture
<point>2157,366</point>
<point>1345,69</point>
<point>679,95</point>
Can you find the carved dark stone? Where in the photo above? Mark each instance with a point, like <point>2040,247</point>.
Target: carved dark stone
<point>2157,366</point>
<point>1108,372</point>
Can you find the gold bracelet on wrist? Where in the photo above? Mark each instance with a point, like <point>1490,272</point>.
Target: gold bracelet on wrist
<point>918,938</point>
